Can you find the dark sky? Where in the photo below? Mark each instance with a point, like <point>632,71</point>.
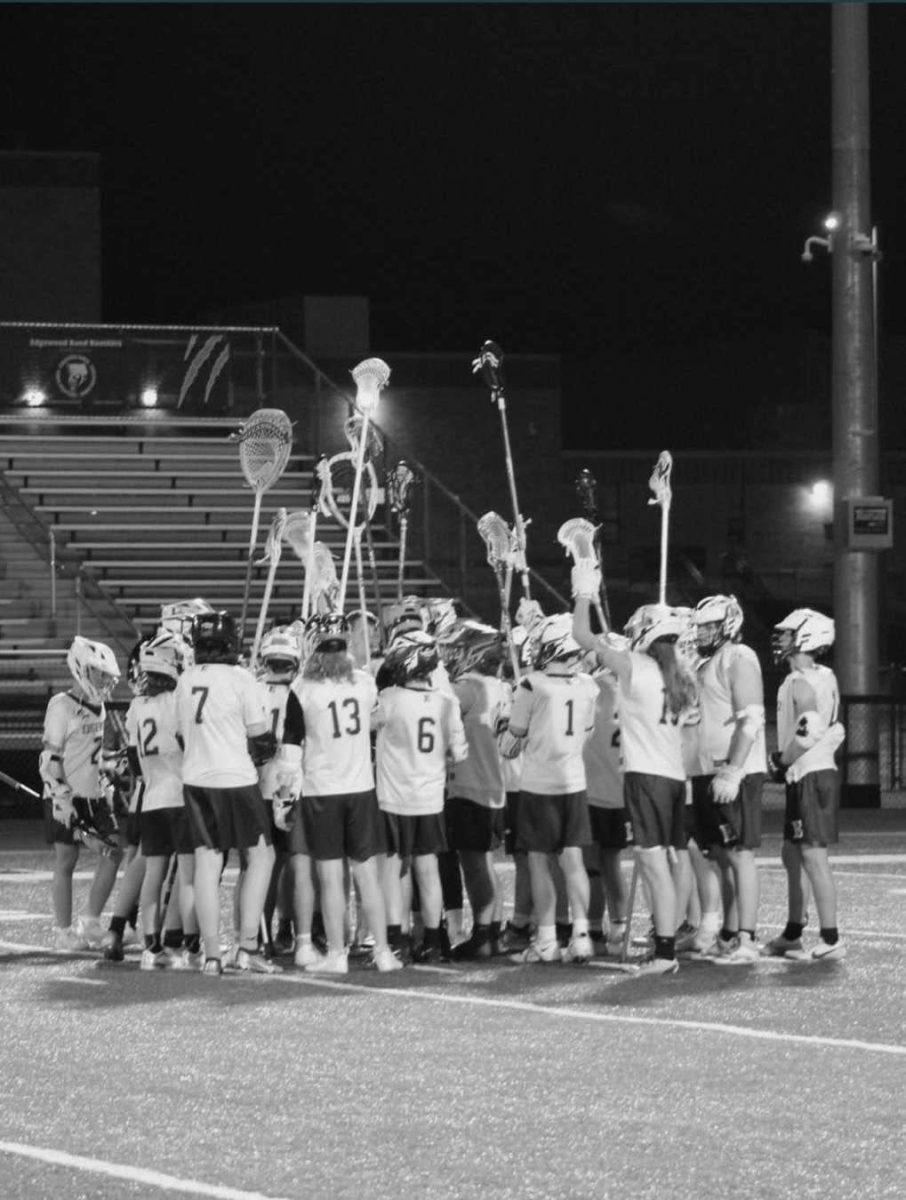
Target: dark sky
<point>580,179</point>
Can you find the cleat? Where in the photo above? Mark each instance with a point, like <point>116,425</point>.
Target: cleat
<point>428,955</point>
<point>212,966</point>
<point>824,952</point>
<point>580,949</point>
<point>474,947</point>
<point>152,959</point>
<point>90,929</point>
<point>305,955</point>
<point>780,947</point>
<point>515,937</point>
<point>112,946</point>
<point>385,960</point>
<point>536,953</point>
<point>186,960</point>
<point>657,966</point>
<point>686,937</point>
<point>743,953</point>
<point>253,962</point>
<point>332,963</point>
<point>69,939</point>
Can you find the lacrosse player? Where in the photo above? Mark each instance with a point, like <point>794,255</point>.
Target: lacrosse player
<point>326,756</point>
<point>77,807</point>
<point>418,730</point>
<point>729,770</point>
<point>474,809</point>
<point>224,730</point>
<point>808,734</point>
<point>551,719</point>
<point>655,689</point>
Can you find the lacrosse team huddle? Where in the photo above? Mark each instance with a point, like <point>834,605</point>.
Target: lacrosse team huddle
<point>370,772</point>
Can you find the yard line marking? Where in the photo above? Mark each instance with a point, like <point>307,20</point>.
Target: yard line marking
<point>191,1187</point>
<point>39,876</point>
<point>19,914</point>
<point>575,1014</point>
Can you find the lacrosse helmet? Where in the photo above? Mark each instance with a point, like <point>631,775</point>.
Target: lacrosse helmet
<point>281,655</point>
<point>93,666</point>
<point>804,631</point>
<point>475,647</point>
<point>215,638</point>
<point>529,614</point>
<point>177,617</point>
<point>406,620</point>
<point>413,656</point>
<point>556,642</point>
<point>716,619</point>
<point>652,623</point>
<point>329,633</point>
<point>441,617</point>
<point>160,664</point>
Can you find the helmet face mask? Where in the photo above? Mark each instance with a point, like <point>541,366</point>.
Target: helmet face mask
<point>94,668</point>
<point>804,631</point>
<point>215,638</point>
<point>716,620</point>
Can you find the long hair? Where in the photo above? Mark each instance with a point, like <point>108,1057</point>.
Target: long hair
<point>335,667</point>
<point>679,683</point>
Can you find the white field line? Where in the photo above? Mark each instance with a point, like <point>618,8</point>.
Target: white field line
<point>575,1014</point>
<point>170,1183</point>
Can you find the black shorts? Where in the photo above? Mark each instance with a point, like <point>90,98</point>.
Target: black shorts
<point>812,804</point>
<point>410,836</point>
<point>93,812</point>
<point>165,831</point>
<point>611,828</point>
<point>473,826</point>
<point>227,818</point>
<point>734,826</point>
<point>133,829</point>
<point>346,825</point>
<point>655,805</point>
<point>548,824</point>
<point>510,821</point>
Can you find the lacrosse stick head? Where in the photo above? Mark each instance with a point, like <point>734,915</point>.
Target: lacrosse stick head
<point>577,536</point>
<point>495,534</point>
<point>297,532</point>
<point>399,482</point>
<point>489,365</point>
<point>370,376</point>
<point>265,442</point>
<point>660,480</point>
<point>586,490</point>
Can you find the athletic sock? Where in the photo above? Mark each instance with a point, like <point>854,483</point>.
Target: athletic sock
<point>285,928</point>
<point>547,934</point>
<point>118,926</point>
<point>664,947</point>
<point>132,916</point>
<point>580,927</point>
<point>564,931</point>
<point>829,936</point>
<point>750,934</point>
<point>193,943</point>
<point>173,938</point>
<point>793,931</point>
<point>431,935</point>
<point>494,930</point>
<point>152,943</point>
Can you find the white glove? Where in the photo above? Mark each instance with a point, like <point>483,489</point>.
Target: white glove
<point>63,807</point>
<point>725,784</point>
<point>284,807</point>
<point>586,579</point>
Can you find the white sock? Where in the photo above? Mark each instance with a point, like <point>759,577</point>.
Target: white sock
<point>580,927</point>
<point>547,934</point>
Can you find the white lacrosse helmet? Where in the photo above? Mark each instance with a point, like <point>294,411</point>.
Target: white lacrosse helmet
<point>717,619</point>
<point>804,631</point>
<point>440,617</point>
<point>651,623</point>
<point>529,614</point>
<point>163,656</point>
<point>474,647</point>
<point>177,617</point>
<point>94,668</point>
<point>413,656</point>
<point>280,654</point>
<point>556,642</point>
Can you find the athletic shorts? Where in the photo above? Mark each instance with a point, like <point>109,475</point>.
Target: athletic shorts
<point>94,812</point>
<point>473,826</point>
<point>611,828</point>
<point>548,824</point>
<point>227,819</point>
<point>165,831</point>
<point>345,825</point>
<point>655,805</point>
<point>133,829</point>
<point>510,821</point>
<point>812,804</point>
<point>734,826</point>
<point>410,836</point>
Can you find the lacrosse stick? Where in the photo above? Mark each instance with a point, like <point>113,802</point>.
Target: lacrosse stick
<point>265,442</point>
<point>82,830</point>
<point>19,787</point>
<point>489,364</point>
<point>297,533</point>
<point>370,376</point>
<point>400,482</point>
<point>325,585</point>
<point>271,556</point>
<point>577,536</point>
<point>319,505</point>
<point>495,534</point>
<point>663,495</point>
<point>587,491</point>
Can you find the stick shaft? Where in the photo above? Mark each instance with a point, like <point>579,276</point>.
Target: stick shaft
<point>665,522</point>
<point>309,565</point>
<point>363,600</point>
<point>262,616</point>
<point>511,478</point>
<point>401,562</point>
<point>353,513</point>
<point>256,518</point>
<point>18,787</point>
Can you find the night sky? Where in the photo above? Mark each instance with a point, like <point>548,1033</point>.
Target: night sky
<point>613,183</point>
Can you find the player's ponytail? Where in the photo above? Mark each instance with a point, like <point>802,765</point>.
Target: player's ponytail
<point>679,684</point>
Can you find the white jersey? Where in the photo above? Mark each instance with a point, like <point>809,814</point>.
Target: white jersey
<point>823,683</point>
<point>151,729</point>
<point>649,733</point>
<point>217,704</point>
<point>273,700</point>
<point>336,751</point>
<point>418,728</point>
<point>718,708</point>
<point>74,731</point>
<point>558,711</point>
<point>483,700</point>
<point>604,781</point>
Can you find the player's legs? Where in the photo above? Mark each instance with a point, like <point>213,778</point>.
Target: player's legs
<point>150,897</point>
<point>333,903</point>
<point>65,859</point>
<point>185,887</point>
<point>371,898</point>
<point>254,890</point>
<point>797,882</point>
<point>577,888</point>
<point>745,877</point>
<point>427,873</point>
<point>544,891</point>
<point>654,869</point>
<point>481,883</point>
<point>816,865</point>
<point>208,869</point>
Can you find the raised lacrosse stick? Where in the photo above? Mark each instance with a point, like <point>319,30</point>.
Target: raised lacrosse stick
<point>319,505</point>
<point>399,483</point>
<point>663,496</point>
<point>495,534</point>
<point>370,376</point>
<point>587,491</point>
<point>271,557</point>
<point>265,442</point>
<point>336,476</point>
<point>577,536</point>
<point>297,534</point>
<point>325,585</point>
<point>489,364</point>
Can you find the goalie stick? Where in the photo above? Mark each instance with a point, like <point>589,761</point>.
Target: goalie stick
<point>577,536</point>
<point>495,534</point>
<point>587,491</point>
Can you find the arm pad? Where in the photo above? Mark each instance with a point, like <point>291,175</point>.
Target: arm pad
<point>751,720</point>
